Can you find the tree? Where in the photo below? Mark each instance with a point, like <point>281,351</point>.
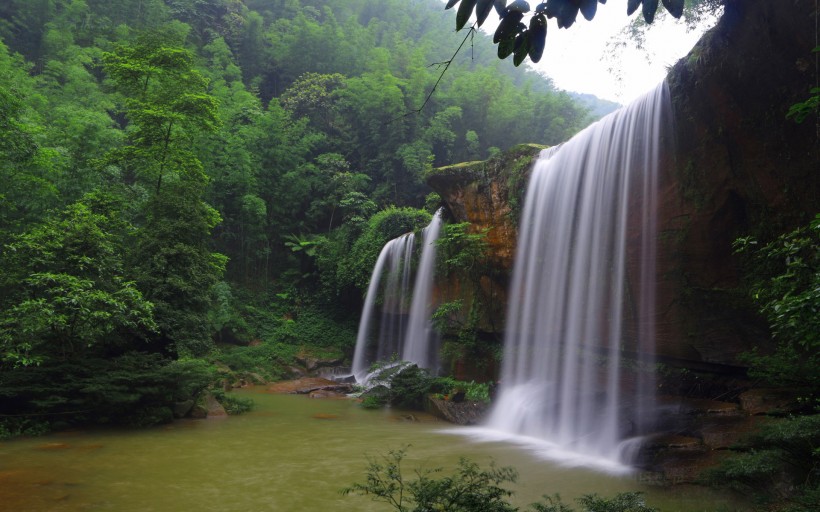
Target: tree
<point>166,100</point>
<point>168,104</point>
<point>66,289</point>
<point>521,40</point>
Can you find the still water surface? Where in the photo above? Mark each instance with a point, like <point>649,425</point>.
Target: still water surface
<point>291,454</point>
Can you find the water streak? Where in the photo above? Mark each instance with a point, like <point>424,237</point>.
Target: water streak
<point>418,344</point>
<point>582,295</point>
<point>404,327</point>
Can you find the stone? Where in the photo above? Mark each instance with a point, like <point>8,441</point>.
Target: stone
<point>768,401</point>
<point>213,408</point>
<point>181,409</point>
<point>465,412</point>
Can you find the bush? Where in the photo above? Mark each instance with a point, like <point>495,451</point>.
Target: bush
<point>468,488</point>
<point>409,388</point>
<point>780,462</point>
<point>132,389</point>
<point>785,283</point>
<point>357,265</point>
<point>233,404</point>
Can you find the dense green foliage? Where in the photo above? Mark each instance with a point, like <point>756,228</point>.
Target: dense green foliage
<point>779,464</point>
<point>467,488</point>
<point>784,279</point>
<point>184,177</point>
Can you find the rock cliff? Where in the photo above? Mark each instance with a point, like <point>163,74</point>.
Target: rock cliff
<point>737,166</point>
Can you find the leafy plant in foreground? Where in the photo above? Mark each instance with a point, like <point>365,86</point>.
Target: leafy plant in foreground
<point>468,488</point>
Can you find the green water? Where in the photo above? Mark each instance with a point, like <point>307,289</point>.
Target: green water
<point>291,453</point>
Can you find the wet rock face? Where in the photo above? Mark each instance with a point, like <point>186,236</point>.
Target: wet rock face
<point>736,166</point>
<point>489,195</point>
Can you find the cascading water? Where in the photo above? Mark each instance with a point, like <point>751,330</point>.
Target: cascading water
<point>395,256</point>
<point>582,294</point>
<point>403,333</point>
<point>420,335</point>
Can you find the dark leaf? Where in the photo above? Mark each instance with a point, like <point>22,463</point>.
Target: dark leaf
<point>520,6</point>
<point>521,47</point>
<point>675,7</point>
<point>464,12</point>
<point>506,47</point>
<point>632,6</point>
<point>508,26</point>
<point>482,10</point>
<point>538,36</point>
<point>650,7</point>
<point>565,11</point>
<point>500,7</point>
<point>451,3</point>
<point>588,8</point>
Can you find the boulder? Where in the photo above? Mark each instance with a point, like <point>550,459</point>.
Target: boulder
<point>464,412</point>
<point>181,409</point>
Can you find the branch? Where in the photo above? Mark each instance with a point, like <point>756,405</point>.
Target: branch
<point>446,65</point>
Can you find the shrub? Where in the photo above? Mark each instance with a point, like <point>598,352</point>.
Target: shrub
<point>779,462</point>
<point>468,488</point>
<point>785,283</point>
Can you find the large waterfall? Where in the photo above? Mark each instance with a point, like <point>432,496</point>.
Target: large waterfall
<point>578,350</point>
<point>403,327</point>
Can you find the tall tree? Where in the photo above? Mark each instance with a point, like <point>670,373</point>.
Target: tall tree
<point>167,105</point>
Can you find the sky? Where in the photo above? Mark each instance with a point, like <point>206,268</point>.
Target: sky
<point>575,58</point>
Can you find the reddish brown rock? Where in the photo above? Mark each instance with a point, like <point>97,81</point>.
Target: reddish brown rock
<point>768,401</point>
<point>736,166</point>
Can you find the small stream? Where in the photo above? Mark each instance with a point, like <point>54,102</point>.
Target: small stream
<point>290,454</point>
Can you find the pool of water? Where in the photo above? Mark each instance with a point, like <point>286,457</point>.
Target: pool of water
<point>291,453</point>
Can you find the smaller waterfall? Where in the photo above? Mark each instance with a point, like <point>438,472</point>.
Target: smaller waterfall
<point>403,323</point>
<point>417,342</point>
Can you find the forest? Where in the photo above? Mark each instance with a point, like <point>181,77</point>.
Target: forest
<point>194,194</point>
<point>182,177</point>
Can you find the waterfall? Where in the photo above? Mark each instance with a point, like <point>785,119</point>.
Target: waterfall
<point>417,343</point>
<point>407,334</point>
<point>582,292</point>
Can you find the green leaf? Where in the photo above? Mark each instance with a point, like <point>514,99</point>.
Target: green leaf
<point>632,6</point>
<point>464,12</point>
<point>538,37</point>
<point>675,7</point>
<point>451,3</point>
<point>506,47</point>
<point>650,7</point>
<point>508,26</point>
<point>482,10</point>
<point>522,48</point>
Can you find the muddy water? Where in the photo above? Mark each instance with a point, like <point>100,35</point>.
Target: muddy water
<point>291,453</point>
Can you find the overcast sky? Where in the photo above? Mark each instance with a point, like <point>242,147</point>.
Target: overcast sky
<point>576,58</point>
